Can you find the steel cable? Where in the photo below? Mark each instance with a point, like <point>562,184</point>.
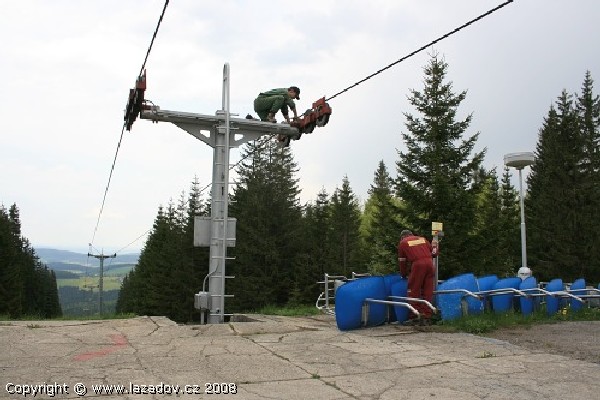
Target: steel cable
<point>422,48</point>
<point>112,168</point>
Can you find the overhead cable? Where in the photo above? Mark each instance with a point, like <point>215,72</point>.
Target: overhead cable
<point>112,168</point>
<point>422,48</point>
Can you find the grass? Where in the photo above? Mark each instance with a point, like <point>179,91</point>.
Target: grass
<point>4,317</point>
<point>489,322</point>
<point>95,317</point>
<point>289,311</point>
<point>477,324</point>
<point>108,283</point>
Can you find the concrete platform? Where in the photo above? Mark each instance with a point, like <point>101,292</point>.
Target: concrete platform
<point>278,358</point>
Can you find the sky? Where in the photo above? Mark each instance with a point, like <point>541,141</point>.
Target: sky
<point>66,67</point>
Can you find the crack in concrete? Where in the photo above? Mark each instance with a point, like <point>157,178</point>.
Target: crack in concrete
<point>156,327</point>
<point>299,367</point>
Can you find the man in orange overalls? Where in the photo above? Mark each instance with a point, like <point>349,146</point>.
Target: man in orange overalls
<point>417,251</point>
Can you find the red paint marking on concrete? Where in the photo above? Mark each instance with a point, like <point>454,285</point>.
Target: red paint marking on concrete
<point>119,340</point>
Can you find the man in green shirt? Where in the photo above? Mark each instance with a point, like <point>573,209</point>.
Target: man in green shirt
<point>267,104</point>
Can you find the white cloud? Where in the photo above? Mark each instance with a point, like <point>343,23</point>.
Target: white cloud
<point>67,67</point>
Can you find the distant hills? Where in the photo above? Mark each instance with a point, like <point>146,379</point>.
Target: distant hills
<point>75,271</point>
<point>79,263</point>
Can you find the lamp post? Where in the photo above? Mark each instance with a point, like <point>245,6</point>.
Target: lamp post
<point>520,161</point>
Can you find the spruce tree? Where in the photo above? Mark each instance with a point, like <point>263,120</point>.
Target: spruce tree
<point>435,173</point>
<point>510,238</point>
<point>320,232</point>
<point>555,221</point>
<point>494,223</point>
<point>52,303</point>
<point>564,189</point>
<point>266,205</point>
<point>125,301</point>
<point>9,271</point>
<point>313,259</point>
<point>347,250</point>
<point>147,289</point>
<point>17,269</point>
<point>383,229</point>
<point>588,108</point>
<point>195,259</point>
<point>27,286</point>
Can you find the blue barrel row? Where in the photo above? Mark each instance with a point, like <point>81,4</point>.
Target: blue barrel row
<point>451,304</point>
<point>350,298</point>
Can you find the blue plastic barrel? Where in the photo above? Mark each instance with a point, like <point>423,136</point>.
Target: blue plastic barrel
<point>389,281</point>
<point>487,283</point>
<point>400,289</point>
<point>449,305</point>
<point>527,303</point>
<point>552,303</point>
<point>349,300</point>
<point>504,302</point>
<point>576,286</point>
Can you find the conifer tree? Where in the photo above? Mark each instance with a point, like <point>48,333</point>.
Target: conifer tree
<point>266,205</point>
<point>435,173</point>
<point>347,250</point>
<point>195,259</point>
<point>146,290</point>
<point>27,286</point>
<point>125,301</point>
<point>52,302</point>
<point>383,230</point>
<point>588,108</point>
<point>494,223</point>
<point>564,189</point>
<point>9,269</point>
<point>553,205</point>
<point>313,258</point>
<point>510,238</point>
<point>320,232</point>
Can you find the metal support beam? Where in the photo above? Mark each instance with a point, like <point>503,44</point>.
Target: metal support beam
<point>221,132</point>
<point>203,127</point>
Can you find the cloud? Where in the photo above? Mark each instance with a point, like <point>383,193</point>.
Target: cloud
<point>67,68</point>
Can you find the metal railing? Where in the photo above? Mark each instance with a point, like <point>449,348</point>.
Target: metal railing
<point>326,300</point>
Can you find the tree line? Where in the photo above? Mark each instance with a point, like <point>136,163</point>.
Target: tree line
<point>283,247</point>
<point>27,286</point>
<point>83,302</point>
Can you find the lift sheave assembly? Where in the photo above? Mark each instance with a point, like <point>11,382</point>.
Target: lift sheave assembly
<point>317,116</point>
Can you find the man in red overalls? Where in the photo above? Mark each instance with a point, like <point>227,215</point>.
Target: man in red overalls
<point>418,252</point>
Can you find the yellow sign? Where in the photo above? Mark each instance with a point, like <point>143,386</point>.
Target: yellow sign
<point>416,242</point>
<point>436,227</point>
